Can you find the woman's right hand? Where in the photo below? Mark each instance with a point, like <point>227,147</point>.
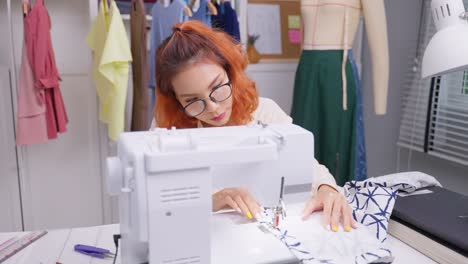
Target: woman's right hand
<point>239,199</point>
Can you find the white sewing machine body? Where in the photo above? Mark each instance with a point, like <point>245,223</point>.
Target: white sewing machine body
<point>165,178</point>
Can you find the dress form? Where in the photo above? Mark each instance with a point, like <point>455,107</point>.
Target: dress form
<point>332,24</point>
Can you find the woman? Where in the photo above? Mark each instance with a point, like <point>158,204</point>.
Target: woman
<point>201,82</point>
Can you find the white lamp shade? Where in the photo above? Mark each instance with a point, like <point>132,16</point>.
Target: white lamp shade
<point>446,52</point>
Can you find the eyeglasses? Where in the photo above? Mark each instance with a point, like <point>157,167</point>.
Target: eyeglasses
<point>218,95</point>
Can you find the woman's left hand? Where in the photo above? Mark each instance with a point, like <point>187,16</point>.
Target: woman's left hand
<point>335,209</point>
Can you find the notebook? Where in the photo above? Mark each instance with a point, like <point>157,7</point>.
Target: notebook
<point>435,223</point>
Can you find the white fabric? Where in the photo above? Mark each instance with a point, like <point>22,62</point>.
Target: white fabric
<point>415,180</point>
<point>372,203</point>
<point>268,112</point>
<point>310,242</point>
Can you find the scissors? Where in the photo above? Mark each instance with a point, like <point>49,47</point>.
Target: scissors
<point>94,251</point>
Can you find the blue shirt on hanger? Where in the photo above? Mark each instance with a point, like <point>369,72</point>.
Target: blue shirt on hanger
<point>202,13</point>
<point>161,28</point>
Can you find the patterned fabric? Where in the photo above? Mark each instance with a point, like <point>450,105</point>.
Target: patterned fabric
<point>372,202</point>
<point>360,163</point>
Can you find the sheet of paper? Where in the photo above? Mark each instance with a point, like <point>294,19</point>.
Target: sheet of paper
<point>294,22</point>
<point>294,36</point>
<point>264,20</point>
<point>418,192</point>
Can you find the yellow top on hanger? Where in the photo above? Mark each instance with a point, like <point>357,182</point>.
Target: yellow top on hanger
<point>111,56</point>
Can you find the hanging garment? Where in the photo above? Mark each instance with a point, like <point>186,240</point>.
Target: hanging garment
<point>139,66</point>
<point>41,57</point>
<point>125,6</point>
<point>360,166</point>
<point>161,28</point>
<point>202,13</point>
<point>372,203</point>
<point>317,107</point>
<point>111,56</point>
<point>226,20</point>
<point>31,120</point>
<point>345,164</point>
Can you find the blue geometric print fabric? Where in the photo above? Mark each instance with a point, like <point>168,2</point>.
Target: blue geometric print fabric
<point>372,203</point>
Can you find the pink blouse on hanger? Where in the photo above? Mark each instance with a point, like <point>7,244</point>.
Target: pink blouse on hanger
<point>41,57</point>
<point>31,119</point>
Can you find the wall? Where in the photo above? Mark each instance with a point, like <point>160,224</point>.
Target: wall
<point>10,206</point>
<point>452,176</point>
<point>61,179</point>
<point>382,131</point>
<point>274,81</point>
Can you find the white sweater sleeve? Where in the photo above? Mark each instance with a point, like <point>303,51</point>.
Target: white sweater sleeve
<point>269,112</point>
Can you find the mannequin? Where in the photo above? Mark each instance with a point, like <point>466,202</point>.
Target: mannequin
<point>327,97</point>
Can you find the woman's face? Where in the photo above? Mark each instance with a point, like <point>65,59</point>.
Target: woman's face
<point>199,81</point>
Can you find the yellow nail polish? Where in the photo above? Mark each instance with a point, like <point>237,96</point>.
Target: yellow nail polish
<point>249,215</point>
<point>347,228</point>
<point>335,229</point>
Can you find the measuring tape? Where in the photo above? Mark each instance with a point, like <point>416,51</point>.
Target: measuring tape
<point>14,245</point>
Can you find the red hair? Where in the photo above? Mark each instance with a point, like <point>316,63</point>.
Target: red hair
<point>192,42</point>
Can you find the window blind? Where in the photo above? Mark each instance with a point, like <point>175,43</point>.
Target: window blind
<point>415,94</point>
<point>435,110</point>
<point>448,123</point>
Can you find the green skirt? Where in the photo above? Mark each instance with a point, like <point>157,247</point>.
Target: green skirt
<point>318,107</point>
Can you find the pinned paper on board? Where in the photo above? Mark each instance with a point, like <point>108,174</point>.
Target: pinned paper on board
<point>264,20</point>
<point>294,22</point>
<point>294,36</point>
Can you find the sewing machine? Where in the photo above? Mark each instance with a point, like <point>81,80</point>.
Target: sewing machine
<point>165,179</point>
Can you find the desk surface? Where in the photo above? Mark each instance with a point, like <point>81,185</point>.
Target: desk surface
<point>57,246</point>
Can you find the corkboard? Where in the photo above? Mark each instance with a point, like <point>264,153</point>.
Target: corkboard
<point>287,8</point>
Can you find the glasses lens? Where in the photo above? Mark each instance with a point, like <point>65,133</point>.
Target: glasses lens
<point>195,108</point>
<point>221,93</point>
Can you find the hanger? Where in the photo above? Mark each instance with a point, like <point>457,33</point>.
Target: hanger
<point>105,5</point>
<point>220,3</point>
<point>25,9</point>
<point>212,8</point>
<point>166,3</point>
<point>191,3</point>
<point>209,5</point>
<point>106,13</point>
<point>188,11</point>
